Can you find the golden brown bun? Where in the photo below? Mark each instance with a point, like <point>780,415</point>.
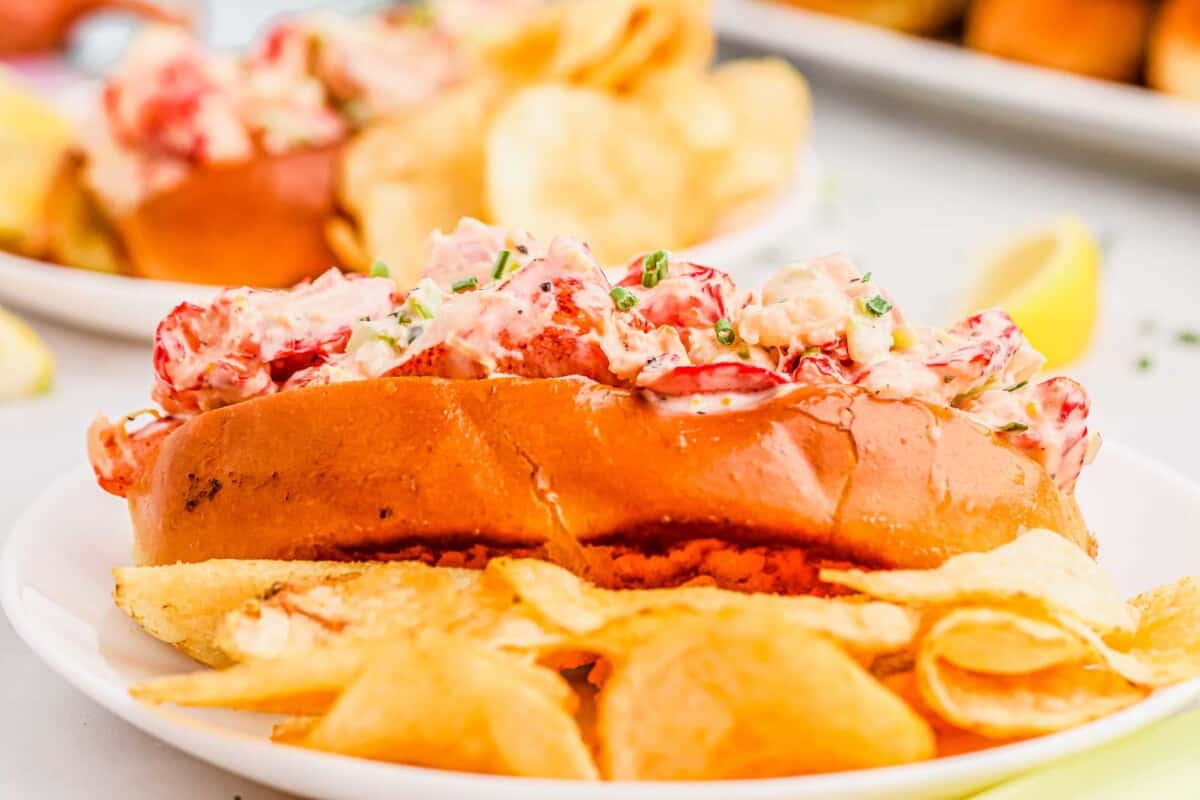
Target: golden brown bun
<point>587,475</point>
<point>912,16</point>
<point>1100,38</point>
<point>1174,62</point>
<point>257,223</point>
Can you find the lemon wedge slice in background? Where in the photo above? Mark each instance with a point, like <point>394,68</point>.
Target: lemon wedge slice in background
<point>33,139</point>
<point>1049,281</point>
<point>26,364</point>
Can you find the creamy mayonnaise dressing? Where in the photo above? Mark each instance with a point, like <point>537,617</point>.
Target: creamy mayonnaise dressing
<point>494,302</point>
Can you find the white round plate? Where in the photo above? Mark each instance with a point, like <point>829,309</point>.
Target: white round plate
<point>132,307</point>
<point>57,592</point>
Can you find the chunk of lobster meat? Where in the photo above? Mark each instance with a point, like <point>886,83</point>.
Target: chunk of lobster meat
<point>472,250</point>
<point>248,342</point>
<point>816,368</point>
<point>981,348</point>
<point>118,456</point>
<point>546,320</point>
<point>725,376</point>
<point>686,296</point>
<point>1047,420</point>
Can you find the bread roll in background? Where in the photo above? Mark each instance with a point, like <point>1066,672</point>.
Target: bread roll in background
<point>1174,61</point>
<point>260,222</point>
<point>597,478</point>
<point>911,16</point>
<point>1099,38</point>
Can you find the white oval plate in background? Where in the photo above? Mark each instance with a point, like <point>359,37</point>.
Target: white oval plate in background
<point>1117,117</point>
<point>57,591</point>
<point>131,308</point>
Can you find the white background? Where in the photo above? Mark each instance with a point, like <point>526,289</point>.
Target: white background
<point>912,193</point>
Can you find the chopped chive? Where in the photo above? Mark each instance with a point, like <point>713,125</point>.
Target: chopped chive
<point>724,331</point>
<point>421,310</point>
<point>655,267</point>
<point>1188,337</point>
<point>623,298</point>
<point>1017,386</point>
<point>380,270</point>
<point>1144,363</point>
<point>878,305</point>
<point>1013,427</point>
<point>469,282</point>
<point>498,271</point>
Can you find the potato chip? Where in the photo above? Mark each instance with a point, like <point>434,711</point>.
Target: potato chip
<point>183,604</point>
<point>1004,674</point>
<point>344,241</point>
<point>1168,634</point>
<point>408,176</point>
<point>581,163</point>
<point>769,102</point>
<point>566,602</point>
<point>608,44</point>
<point>694,107</point>
<point>293,729</point>
<point>733,695</point>
<point>397,599</point>
<point>646,33</point>
<point>306,684</point>
<point>1039,567</point>
<point>1002,706</point>
<point>999,642</point>
<point>445,703</point>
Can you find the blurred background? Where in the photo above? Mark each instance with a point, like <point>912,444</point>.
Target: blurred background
<point>1041,154</point>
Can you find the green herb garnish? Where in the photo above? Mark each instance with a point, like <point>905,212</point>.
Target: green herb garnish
<point>1017,386</point>
<point>724,331</point>
<point>878,305</point>
<point>1144,363</point>
<point>380,270</point>
<point>466,284</point>
<point>1188,337</point>
<point>655,267</point>
<point>1013,427</point>
<point>501,266</point>
<point>623,298</point>
<point>421,310</point>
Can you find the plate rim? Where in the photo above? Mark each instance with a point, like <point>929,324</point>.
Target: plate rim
<point>240,752</point>
<point>1127,118</point>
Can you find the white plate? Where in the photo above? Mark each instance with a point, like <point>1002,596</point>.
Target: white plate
<point>1118,117</point>
<point>57,593</point>
<point>132,307</point>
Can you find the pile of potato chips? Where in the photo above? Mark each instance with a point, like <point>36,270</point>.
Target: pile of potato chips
<point>599,119</point>
<point>524,669</point>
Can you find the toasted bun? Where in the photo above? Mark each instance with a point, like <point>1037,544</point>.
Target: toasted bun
<point>258,223</point>
<point>598,478</point>
<point>1174,62</point>
<point>912,16</point>
<point>1100,38</point>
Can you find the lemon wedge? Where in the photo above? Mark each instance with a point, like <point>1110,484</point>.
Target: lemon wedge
<point>26,364</point>
<point>1049,281</point>
<point>33,139</point>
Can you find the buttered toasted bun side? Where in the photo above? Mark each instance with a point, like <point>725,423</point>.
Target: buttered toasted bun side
<point>259,222</point>
<point>1174,61</point>
<point>1100,38</point>
<point>584,474</point>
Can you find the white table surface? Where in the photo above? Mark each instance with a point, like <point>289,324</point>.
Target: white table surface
<point>912,194</point>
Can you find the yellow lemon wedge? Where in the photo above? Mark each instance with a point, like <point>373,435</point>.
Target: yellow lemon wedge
<point>1049,281</point>
<point>33,139</point>
<point>26,364</point>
